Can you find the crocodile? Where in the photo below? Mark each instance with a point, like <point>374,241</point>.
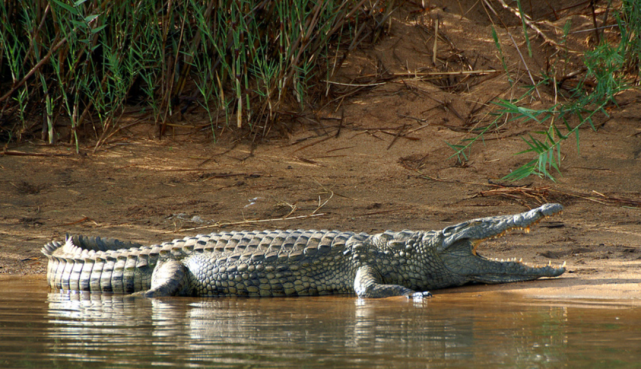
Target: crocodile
<point>295,262</point>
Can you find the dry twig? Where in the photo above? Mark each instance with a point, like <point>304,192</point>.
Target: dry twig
<point>530,24</point>
<point>21,153</point>
<point>223,224</point>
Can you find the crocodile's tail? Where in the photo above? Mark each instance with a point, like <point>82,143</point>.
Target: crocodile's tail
<point>81,263</point>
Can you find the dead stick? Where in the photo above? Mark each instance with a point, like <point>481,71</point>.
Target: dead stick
<point>530,24</point>
<point>34,69</point>
<point>340,125</point>
<point>354,84</point>
<point>398,134</point>
<point>435,48</point>
<point>20,153</point>
<point>427,74</point>
<point>37,66</point>
<point>525,64</point>
<point>606,200</point>
<point>76,222</point>
<point>313,143</point>
<point>217,225</point>
<point>596,27</point>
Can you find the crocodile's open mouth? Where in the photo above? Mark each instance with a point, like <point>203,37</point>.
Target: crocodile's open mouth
<point>476,243</point>
<point>460,244</point>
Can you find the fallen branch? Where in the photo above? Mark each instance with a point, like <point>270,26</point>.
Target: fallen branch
<point>20,153</point>
<point>76,222</point>
<point>321,204</point>
<point>540,193</point>
<point>313,143</point>
<point>380,212</point>
<point>85,219</point>
<point>42,62</point>
<point>33,70</point>
<point>223,224</point>
<point>516,46</point>
<point>354,84</point>
<point>396,136</point>
<point>530,24</point>
<point>435,47</point>
<point>616,200</point>
<point>537,193</point>
<point>391,76</point>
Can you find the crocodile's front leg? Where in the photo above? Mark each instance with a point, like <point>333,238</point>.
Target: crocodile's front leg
<point>168,279</point>
<point>368,284</point>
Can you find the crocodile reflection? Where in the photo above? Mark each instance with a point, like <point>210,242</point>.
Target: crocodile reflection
<point>342,328</point>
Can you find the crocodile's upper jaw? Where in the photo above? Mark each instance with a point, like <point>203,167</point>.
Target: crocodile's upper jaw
<point>459,243</point>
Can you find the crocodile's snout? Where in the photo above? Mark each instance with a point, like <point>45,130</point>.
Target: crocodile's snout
<point>460,256</point>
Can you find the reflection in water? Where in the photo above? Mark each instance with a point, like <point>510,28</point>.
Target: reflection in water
<point>78,330</point>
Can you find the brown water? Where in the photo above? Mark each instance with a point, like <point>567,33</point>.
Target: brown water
<point>39,329</point>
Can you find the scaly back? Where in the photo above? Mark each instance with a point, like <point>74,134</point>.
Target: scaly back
<point>72,263</point>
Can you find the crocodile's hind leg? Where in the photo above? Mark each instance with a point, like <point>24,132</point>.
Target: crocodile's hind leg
<point>368,284</point>
<point>168,279</point>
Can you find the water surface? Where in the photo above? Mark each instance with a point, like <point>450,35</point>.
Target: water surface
<point>454,329</point>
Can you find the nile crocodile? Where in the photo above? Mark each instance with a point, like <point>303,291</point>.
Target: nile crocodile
<point>295,263</point>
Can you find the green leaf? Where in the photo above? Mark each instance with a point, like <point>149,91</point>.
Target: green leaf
<point>522,172</point>
<point>89,18</point>
<point>67,7</point>
<point>98,29</point>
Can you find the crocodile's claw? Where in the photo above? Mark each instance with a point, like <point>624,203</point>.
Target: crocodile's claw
<point>419,295</point>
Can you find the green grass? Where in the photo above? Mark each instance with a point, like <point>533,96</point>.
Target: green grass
<point>244,62</point>
<point>610,68</point>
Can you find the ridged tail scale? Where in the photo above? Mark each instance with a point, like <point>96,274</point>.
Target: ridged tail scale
<point>95,264</point>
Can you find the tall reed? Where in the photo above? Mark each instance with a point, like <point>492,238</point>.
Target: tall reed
<point>243,61</point>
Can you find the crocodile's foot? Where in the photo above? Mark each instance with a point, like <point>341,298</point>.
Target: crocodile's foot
<point>419,295</point>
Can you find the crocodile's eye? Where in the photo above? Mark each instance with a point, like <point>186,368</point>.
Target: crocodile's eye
<point>454,228</point>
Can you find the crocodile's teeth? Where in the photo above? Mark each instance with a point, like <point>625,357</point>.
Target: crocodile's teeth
<point>549,262</point>
<point>520,260</point>
<point>563,266</point>
<point>527,230</point>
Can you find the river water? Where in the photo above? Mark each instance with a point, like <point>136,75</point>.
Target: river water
<point>41,329</point>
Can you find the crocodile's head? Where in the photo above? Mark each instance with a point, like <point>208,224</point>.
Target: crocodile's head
<point>458,246</point>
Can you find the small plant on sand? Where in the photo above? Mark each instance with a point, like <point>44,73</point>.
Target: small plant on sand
<point>609,68</point>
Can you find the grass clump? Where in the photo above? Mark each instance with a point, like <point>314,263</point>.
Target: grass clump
<point>77,64</point>
<point>610,68</point>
